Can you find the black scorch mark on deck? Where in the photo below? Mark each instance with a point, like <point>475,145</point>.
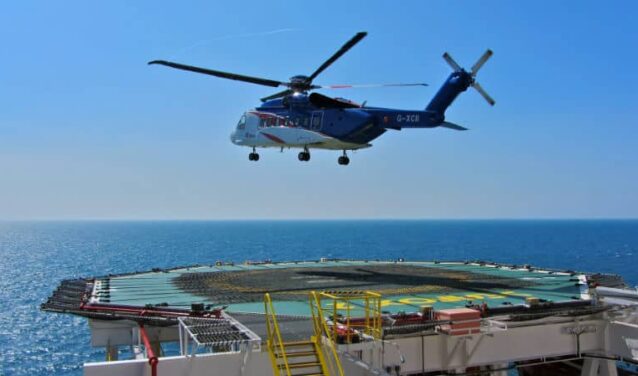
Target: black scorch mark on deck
<point>294,283</point>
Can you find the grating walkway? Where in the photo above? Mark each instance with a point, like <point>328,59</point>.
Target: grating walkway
<point>218,334</point>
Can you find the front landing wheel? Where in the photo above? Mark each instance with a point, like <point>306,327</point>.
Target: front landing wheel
<point>304,156</point>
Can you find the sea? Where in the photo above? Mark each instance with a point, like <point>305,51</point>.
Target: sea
<point>36,256</point>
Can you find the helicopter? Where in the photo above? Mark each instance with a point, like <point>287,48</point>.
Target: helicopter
<point>298,117</point>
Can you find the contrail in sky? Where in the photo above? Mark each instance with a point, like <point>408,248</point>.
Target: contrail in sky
<point>232,36</point>
<point>257,34</point>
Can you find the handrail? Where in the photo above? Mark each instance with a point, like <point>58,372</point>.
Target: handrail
<point>321,330</point>
<point>272,328</point>
<point>372,322</point>
<point>152,359</point>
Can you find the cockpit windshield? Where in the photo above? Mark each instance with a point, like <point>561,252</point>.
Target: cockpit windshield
<point>242,122</point>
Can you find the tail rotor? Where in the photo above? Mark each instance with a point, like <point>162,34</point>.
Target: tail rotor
<point>479,63</point>
<point>483,93</point>
<point>451,62</point>
<point>473,71</point>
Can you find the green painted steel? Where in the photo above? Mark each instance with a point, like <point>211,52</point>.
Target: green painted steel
<point>469,283</point>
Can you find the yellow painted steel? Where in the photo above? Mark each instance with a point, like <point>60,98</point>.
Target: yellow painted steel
<point>317,344</point>
<point>325,337</point>
<point>329,359</point>
<point>274,338</point>
<point>342,303</point>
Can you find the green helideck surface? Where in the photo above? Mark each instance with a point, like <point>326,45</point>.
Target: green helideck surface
<point>404,286</point>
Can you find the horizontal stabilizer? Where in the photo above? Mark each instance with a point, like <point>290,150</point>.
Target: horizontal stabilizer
<point>456,127</point>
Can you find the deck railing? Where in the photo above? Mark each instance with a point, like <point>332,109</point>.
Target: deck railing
<point>274,341</point>
<point>150,354</point>
<point>326,349</point>
<point>367,319</point>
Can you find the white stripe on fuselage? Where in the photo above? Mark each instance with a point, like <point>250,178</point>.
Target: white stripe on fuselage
<point>291,137</point>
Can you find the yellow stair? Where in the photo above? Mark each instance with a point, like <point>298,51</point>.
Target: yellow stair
<point>296,358</point>
<point>319,355</point>
<point>302,359</point>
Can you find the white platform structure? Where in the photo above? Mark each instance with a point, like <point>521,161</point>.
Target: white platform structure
<point>597,339</point>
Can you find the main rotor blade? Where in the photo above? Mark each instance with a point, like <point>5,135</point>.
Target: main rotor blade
<point>349,44</point>
<point>277,95</point>
<point>368,85</point>
<point>451,61</point>
<point>479,63</point>
<point>230,76</point>
<point>483,93</point>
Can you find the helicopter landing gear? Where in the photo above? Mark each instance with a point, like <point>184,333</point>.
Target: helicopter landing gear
<point>343,160</point>
<point>253,156</point>
<point>304,155</point>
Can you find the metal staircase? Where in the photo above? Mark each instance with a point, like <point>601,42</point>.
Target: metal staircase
<point>315,357</point>
<point>302,359</point>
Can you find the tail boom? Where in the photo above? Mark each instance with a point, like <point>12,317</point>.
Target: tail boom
<point>455,84</point>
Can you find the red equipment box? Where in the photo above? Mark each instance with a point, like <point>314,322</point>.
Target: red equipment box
<point>462,321</point>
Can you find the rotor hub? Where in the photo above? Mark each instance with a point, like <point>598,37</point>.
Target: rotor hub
<point>300,84</point>
<point>299,79</point>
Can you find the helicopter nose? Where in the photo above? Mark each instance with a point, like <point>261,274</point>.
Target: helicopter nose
<point>235,137</point>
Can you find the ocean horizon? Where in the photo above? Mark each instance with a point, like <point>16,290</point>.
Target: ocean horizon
<point>37,255</point>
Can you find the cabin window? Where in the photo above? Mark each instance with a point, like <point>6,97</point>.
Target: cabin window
<point>285,122</point>
<point>267,122</point>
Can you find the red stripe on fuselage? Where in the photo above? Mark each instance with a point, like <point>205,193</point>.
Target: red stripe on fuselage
<point>266,115</point>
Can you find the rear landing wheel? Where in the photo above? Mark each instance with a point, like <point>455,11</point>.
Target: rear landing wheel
<point>253,156</point>
<point>343,160</point>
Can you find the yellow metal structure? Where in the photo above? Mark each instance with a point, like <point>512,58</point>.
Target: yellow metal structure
<point>274,343</point>
<point>364,306</point>
<point>326,349</point>
<point>305,357</point>
<point>351,311</point>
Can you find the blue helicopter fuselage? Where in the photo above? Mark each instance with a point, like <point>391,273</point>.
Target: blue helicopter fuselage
<point>358,125</point>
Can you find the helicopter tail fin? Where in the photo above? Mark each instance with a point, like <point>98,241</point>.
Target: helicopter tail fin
<point>459,81</point>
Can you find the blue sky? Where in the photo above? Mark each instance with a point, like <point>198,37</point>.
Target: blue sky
<point>88,130</point>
